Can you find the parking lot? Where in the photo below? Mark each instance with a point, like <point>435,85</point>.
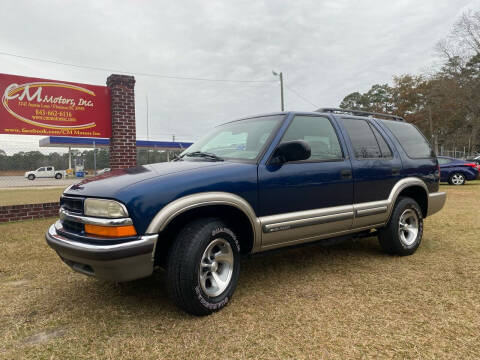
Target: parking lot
<point>342,301</point>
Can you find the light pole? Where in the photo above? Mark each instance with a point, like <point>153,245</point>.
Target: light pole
<point>281,88</point>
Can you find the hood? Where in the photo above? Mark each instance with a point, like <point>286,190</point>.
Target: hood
<point>110,183</point>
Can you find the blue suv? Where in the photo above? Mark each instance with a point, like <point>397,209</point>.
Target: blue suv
<point>248,186</point>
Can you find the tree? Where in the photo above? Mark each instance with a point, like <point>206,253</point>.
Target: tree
<point>377,99</point>
<point>445,105</point>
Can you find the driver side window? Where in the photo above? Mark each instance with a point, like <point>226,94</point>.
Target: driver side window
<point>319,133</point>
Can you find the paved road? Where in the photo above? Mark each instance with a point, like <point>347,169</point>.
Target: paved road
<point>7,182</point>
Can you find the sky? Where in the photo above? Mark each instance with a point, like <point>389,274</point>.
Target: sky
<point>326,49</point>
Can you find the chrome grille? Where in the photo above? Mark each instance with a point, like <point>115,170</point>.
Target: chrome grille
<point>72,204</point>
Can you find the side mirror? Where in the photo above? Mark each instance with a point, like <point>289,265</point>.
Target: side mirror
<point>291,151</point>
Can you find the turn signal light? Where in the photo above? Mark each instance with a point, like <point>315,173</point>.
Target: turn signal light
<point>111,231</point>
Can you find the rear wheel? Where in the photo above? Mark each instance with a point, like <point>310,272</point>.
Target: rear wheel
<point>403,234</point>
<point>457,179</point>
<point>31,177</point>
<point>203,266</point>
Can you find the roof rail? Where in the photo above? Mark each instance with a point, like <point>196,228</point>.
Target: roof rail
<point>359,113</point>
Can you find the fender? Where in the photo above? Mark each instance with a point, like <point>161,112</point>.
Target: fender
<point>402,185</point>
<point>176,207</point>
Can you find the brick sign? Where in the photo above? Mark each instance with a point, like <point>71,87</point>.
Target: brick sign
<point>31,106</point>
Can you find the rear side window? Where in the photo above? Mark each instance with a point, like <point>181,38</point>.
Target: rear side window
<point>366,141</point>
<point>411,139</point>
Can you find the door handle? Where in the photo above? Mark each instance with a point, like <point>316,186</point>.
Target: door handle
<point>396,171</point>
<point>346,174</point>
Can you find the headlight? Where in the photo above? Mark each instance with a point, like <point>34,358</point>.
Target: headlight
<point>104,208</point>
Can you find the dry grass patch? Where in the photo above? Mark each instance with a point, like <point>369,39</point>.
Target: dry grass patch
<point>342,301</point>
<point>30,196</point>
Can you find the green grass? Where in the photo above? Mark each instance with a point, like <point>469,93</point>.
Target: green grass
<point>29,196</point>
<point>342,301</point>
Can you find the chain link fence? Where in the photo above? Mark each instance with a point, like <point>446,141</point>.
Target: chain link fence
<point>459,153</point>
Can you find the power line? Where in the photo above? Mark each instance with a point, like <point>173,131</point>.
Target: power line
<point>131,73</point>
<point>301,96</point>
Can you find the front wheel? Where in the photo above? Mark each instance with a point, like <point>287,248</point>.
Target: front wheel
<point>203,266</point>
<point>457,179</point>
<point>403,233</point>
<point>31,177</point>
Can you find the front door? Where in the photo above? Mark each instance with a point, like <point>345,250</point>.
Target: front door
<point>303,200</point>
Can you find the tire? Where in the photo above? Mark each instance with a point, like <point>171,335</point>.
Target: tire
<point>396,241</point>
<point>457,179</point>
<point>31,177</point>
<point>193,286</point>
<point>58,176</point>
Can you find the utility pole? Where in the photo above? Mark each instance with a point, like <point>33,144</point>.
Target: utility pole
<point>148,137</point>
<point>281,91</point>
<point>280,75</point>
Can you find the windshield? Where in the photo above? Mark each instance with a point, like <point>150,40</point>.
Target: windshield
<point>241,140</point>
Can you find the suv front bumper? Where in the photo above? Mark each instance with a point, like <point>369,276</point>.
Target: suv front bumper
<point>118,262</point>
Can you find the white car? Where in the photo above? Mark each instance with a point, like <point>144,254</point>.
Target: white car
<point>103,171</point>
<point>45,172</point>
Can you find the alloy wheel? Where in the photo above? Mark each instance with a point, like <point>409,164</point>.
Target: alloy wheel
<point>216,267</point>
<point>408,227</point>
<point>458,179</point>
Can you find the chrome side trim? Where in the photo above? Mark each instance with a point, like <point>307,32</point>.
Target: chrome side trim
<point>170,211</point>
<point>436,201</point>
<point>307,222</point>
<point>372,211</point>
<point>67,215</point>
<point>283,228</point>
<point>315,237</point>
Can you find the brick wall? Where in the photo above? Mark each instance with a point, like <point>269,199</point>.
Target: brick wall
<point>123,150</point>
<point>29,211</point>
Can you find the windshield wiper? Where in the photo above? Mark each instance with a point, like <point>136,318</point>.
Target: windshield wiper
<point>177,158</point>
<point>204,155</point>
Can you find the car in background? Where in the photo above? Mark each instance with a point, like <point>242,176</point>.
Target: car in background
<point>103,171</point>
<point>456,171</point>
<point>475,160</point>
<point>45,172</point>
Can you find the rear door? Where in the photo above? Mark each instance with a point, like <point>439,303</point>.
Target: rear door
<point>304,199</point>
<point>376,169</point>
<point>49,172</point>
